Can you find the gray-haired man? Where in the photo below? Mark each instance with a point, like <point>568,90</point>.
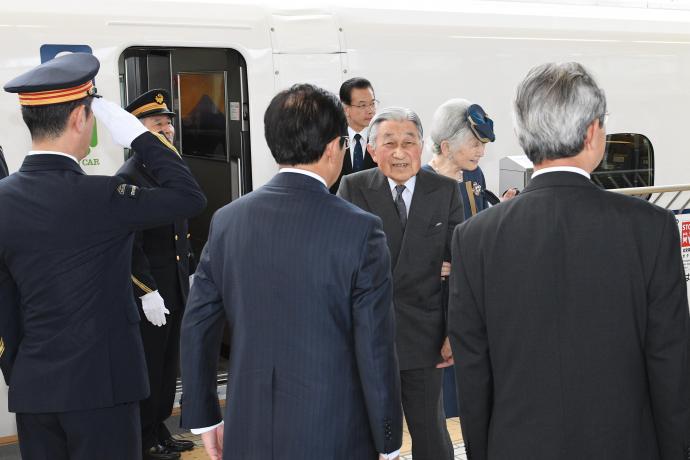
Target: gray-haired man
<point>419,210</point>
<point>571,336</point>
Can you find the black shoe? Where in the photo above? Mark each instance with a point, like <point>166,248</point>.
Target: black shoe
<point>177,445</point>
<point>159,452</point>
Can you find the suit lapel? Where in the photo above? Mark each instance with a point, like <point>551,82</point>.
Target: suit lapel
<point>420,209</point>
<point>347,163</point>
<point>380,202</point>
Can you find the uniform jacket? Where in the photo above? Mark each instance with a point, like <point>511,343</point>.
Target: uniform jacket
<point>569,327</point>
<point>162,258</point>
<point>303,279</point>
<point>417,255</point>
<point>65,250</point>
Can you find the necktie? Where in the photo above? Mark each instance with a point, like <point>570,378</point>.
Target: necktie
<point>358,156</point>
<point>400,205</point>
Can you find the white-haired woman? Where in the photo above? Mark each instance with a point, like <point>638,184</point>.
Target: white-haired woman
<point>459,133</point>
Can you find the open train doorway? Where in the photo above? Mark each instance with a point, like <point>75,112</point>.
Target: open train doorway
<point>208,87</point>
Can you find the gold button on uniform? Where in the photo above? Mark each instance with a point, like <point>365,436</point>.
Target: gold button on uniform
<point>178,258</point>
<point>177,237</point>
<point>188,235</point>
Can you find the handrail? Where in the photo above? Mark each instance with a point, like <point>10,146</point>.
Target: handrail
<point>653,189</point>
<point>661,195</point>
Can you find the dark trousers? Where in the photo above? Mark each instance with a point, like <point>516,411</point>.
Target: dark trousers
<point>110,433</point>
<point>422,402</point>
<point>162,350</point>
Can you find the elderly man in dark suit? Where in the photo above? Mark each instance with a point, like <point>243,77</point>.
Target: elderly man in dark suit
<point>568,309</point>
<point>419,210</point>
<point>161,266</point>
<point>65,252</point>
<point>303,278</point>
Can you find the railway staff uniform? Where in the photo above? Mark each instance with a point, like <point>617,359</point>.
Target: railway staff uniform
<point>77,371</point>
<point>161,265</point>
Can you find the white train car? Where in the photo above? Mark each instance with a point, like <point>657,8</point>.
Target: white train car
<point>223,61</point>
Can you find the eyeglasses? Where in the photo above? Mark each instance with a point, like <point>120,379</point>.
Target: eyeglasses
<point>346,141</point>
<point>371,105</point>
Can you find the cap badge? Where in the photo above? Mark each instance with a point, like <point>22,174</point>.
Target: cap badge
<point>159,98</point>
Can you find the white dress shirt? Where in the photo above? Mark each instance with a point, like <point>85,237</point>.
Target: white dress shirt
<point>407,193</point>
<point>50,152</point>
<point>572,169</point>
<point>362,141</point>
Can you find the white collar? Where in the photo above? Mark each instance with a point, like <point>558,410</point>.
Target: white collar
<point>50,152</point>
<point>409,185</point>
<point>304,172</point>
<point>364,133</point>
<point>572,169</point>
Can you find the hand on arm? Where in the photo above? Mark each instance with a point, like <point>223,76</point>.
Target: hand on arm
<point>445,270</point>
<point>446,354</point>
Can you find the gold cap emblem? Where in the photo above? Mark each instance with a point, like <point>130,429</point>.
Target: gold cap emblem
<point>159,98</point>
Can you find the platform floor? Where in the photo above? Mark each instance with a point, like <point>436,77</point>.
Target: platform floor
<point>405,451</point>
<point>11,452</point>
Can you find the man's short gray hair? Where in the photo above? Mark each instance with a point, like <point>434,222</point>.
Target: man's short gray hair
<point>450,124</point>
<point>554,105</point>
<point>393,114</point>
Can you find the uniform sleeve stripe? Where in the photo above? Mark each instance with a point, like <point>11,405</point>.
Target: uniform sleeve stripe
<point>141,285</point>
<point>2,347</point>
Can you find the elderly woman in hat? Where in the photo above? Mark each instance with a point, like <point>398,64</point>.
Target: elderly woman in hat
<point>459,133</point>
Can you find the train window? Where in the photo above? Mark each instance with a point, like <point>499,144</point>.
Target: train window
<point>203,124</point>
<point>628,162</point>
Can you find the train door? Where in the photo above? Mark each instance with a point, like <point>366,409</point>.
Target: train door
<point>208,87</point>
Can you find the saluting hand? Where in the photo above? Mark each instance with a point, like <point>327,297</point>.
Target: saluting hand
<point>123,126</point>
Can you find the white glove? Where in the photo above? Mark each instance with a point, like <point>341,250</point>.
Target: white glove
<point>191,280</point>
<point>123,126</point>
<point>154,308</point>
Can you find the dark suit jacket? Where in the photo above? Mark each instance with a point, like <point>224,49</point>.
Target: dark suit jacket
<point>4,172</point>
<point>569,326</point>
<point>417,256</point>
<point>303,278</point>
<point>162,257</point>
<point>65,249</point>
<point>347,167</point>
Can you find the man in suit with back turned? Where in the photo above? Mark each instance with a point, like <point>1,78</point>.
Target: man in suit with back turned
<point>568,309</point>
<point>303,278</point>
<point>419,210</point>
<point>75,360</point>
